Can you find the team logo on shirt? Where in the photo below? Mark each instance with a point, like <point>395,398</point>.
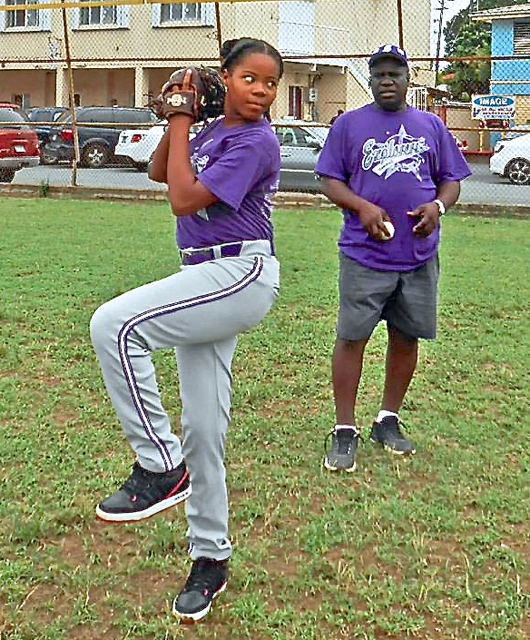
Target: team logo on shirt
<point>198,163</point>
<point>400,153</point>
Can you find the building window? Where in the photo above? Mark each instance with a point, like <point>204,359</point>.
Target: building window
<point>182,14</point>
<point>22,99</point>
<point>111,17</point>
<point>98,15</point>
<point>521,38</point>
<point>189,12</point>
<point>24,19</point>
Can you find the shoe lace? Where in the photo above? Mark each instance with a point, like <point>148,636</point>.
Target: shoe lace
<point>203,576</point>
<point>136,481</point>
<point>393,426</point>
<point>345,439</point>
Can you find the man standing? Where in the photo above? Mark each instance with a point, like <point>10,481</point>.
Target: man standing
<point>339,113</point>
<point>386,162</point>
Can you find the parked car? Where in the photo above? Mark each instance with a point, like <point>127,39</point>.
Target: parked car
<point>511,159</point>
<point>14,107</point>
<point>42,115</point>
<point>19,144</point>
<point>137,146</point>
<point>300,146</point>
<point>520,130</point>
<point>96,142</point>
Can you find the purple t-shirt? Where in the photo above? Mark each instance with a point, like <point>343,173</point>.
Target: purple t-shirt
<point>395,160</point>
<point>241,166</point>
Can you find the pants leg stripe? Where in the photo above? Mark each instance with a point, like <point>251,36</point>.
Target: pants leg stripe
<point>149,314</point>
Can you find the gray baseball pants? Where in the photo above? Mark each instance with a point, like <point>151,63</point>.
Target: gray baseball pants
<point>200,311</point>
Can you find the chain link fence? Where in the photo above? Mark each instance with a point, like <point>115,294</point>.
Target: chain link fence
<point>93,67</point>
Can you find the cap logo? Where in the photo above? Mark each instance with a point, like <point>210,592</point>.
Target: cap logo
<point>390,50</point>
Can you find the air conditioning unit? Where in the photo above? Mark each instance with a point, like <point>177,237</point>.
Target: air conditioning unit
<point>312,94</point>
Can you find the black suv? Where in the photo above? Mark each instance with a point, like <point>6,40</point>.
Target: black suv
<point>42,115</point>
<point>96,142</point>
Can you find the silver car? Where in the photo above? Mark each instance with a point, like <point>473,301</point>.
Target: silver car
<point>300,145</point>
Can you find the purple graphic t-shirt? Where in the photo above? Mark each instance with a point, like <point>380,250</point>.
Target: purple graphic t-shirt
<point>241,166</point>
<point>395,160</point>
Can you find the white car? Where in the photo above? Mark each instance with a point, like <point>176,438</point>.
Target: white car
<point>511,159</point>
<point>138,145</point>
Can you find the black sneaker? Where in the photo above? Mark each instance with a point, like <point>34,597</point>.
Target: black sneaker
<point>146,493</point>
<point>388,434</point>
<point>340,454</point>
<point>207,580</point>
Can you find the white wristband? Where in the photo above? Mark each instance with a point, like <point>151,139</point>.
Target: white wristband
<point>441,206</point>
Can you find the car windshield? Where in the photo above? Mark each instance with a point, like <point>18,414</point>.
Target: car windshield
<point>8,115</point>
<point>40,116</point>
<point>522,130</point>
<point>65,117</point>
<point>318,132</point>
<point>45,115</point>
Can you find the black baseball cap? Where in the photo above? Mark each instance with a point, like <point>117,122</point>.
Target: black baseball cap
<point>389,51</point>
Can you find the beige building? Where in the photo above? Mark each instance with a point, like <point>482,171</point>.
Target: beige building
<point>123,54</point>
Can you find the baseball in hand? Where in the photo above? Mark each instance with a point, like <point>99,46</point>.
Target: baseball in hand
<point>390,229</point>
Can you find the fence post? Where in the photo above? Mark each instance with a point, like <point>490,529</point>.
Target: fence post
<point>71,100</point>
<point>400,23</point>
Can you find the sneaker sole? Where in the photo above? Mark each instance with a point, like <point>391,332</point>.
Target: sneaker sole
<point>146,513</point>
<point>395,452</point>
<point>191,618</point>
<point>330,467</point>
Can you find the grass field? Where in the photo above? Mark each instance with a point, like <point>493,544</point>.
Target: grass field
<point>435,548</point>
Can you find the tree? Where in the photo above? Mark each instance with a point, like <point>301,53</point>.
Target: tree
<point>466,38</point>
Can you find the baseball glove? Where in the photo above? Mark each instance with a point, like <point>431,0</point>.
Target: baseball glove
<point>195,91</point>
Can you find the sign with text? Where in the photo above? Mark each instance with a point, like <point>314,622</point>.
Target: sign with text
<point>492,107</point>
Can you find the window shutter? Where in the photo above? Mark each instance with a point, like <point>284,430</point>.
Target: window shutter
<point>45,18</point>
<point>3,15</point>
<point>76,14</point>
<point>521,38</point>
<point>122,15</point>
<point>208,13</point>
<point>155,15</point>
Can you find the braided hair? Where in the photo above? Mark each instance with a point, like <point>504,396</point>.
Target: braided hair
<point>214,94</point>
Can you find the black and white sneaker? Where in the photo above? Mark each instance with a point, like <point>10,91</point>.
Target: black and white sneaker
<point>206,581</point>
<point>341,449</point>
<point>145,493</point>
<point>387,433</point>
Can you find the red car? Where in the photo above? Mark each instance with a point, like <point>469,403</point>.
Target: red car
<point>19,144</point>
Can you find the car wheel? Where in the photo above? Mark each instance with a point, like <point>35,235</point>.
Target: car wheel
<point>7,175</point>
<point>95,155</point>
<point>518,171</point>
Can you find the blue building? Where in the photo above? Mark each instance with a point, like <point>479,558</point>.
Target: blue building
<point>510,36</point>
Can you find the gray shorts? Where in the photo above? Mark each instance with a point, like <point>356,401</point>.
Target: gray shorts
<point>406,301</point>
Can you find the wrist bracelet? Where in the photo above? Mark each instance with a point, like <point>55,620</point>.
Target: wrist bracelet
<point>441,206</point>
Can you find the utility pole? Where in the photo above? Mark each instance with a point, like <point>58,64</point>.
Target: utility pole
<point>441,9</point>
